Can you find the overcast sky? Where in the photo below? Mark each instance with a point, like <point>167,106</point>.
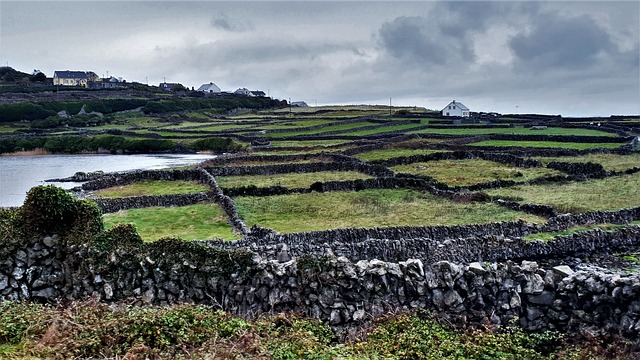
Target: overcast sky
<point>558,57</point>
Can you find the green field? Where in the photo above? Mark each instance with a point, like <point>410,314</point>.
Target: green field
<point>367,208</point>
<point>152,187</point>
<point>291,180</point>
<point>472,171</point>
<point>383,129</point>
<point>606,194</point>
<point>307,143</point>
<point>546,144</point>
<point>321,130</point>
<point>519,130</point>
<point>384,154</point>
<point>611,162</point>
<point>193,222</point>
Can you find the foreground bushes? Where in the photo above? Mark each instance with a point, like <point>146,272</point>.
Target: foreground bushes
<point>90,329</point>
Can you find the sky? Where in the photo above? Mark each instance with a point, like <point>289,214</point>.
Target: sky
<point>573,58</point>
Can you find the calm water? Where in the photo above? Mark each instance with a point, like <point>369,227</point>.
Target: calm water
<point>18,174</point>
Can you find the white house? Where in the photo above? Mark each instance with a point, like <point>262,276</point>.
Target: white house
<point>209,88</point>
<point>455,109</point>
<point>74,78</point>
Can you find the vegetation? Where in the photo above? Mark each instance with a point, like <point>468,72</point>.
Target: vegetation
<point>367,208</point>
<point>551,235</point>
<point>193,222</point>
<point>89,329</point>
<point>302,180</point>
<point>152,187</point>
<point>546,144</point>
<point>575,197</point>
<point>518,130</point>
<point>611,162</point>
<point>384,154</point>
<point>472,171</point>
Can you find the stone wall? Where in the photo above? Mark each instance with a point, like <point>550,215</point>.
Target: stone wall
<point>333,289</point>
<point>124,178</point>
<point>111,205</point>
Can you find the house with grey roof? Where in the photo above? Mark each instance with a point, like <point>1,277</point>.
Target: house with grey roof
<point>74,78</point>
<point>455,109</point>
<point>209,88</point>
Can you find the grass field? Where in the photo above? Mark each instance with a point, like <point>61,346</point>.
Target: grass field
<point>193,222</point>
<point>368,208</point>
<point>307,143</point>
<point>611,162</point>
<point>606,194</point>
<point>383,129</point>
<point>472,171</point>
<point>239,162</point>
<point>302,180</point>
<point>384,154</point>
<point>519,130</point>
<point>321,130</point>
<point>152,187</point>
<point>546,144</point>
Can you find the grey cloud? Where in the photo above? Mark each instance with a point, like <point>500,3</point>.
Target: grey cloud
<point>223,22</point>
<point>567,43</point>
<point>416,40</point>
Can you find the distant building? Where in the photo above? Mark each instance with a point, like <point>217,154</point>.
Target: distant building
<point>209,88</point>
<point>299,104</point>
<point>74,78</point>
<point>247,92</point>
<point>169,86</point>
<point>455,109</point>
<point>108,83</point>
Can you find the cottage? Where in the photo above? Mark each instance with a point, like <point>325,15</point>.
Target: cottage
<point>170,86</point>
<point>257,93</point>
<point>299,104</point>
<point>209,88</point>
<point>74,78</point>
<point>247,92</point>
<point>455,109</point>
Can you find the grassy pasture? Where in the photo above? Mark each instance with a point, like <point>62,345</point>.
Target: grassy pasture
<point>472,171</point>
<point>384,154</point>
<point>518,130</point>
<point>193,222</point>
<point>291,180</point>
<point>322,130</point>
<point>307,143</point>
<point>367,208</point>
<point>383,129</point>
<point>546,144</point>
<point>604,194</point>
<point>240,162</point>
<point>611,162</point>
<point>152,187</point>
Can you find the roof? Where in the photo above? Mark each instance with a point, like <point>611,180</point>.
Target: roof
<point>459,104</point>
<point>258,93</point>
<point>209,86</point>
<point>71,74</point>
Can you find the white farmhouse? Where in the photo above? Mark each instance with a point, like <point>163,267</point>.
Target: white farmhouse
<point>455,109</point>
<point>209,88</point>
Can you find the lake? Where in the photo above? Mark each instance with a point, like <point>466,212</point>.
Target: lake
<point>18,174</point>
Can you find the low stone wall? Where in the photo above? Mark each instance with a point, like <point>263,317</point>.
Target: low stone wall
<point>124,178</point>
<point>586,169</point>
<point>332,289</point>
<point>111,205</point>
<point>225,202</point>
<point>373,170</point>
<point>503,158</point>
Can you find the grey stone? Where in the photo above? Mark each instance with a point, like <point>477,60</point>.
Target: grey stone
<point>563,270</point>
<point>476,268</point>
<point>108,291</point>
<point>544,298</point>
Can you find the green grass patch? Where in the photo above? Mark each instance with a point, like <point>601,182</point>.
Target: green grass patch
<point>576,229</point>
<point>322,130</point>
<point>383,129</point>
<point>239,162</point>
<point>292,180</point>
<point>308,143</point>
<point>547,144</point>
<point>611,162</point>
<point>603,194</point>
<point>384,154</point>
<point>152,187</point>
<point>518,130</point>
<point>192,222</point>
<point>368,208</point>
<point>472,171</point>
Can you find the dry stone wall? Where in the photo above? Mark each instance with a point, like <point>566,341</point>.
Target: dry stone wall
<point>333,289</point>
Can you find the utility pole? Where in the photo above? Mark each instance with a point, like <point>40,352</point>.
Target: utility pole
<point>290,115</point>
<point>389,107</point>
